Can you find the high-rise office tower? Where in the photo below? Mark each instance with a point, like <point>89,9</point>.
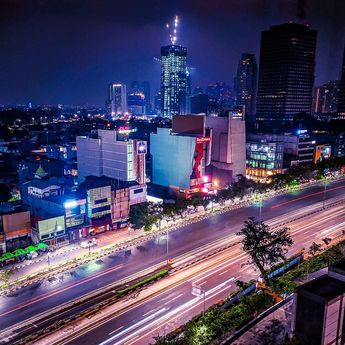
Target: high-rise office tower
<point>144,89</point>
<point>246,83</point>
<point>286,75</point>
<point>326,98</point>
<point>174,83</point>
<point>117,99</point>
<point>341,100</point>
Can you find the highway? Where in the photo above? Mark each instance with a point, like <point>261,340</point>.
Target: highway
<point>39,298</point>
<point>169,303</point>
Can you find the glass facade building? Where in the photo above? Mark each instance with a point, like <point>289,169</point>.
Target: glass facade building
<point>246,83</point>
<point>173,80</point>
<point>286,75</point>
<point>264,159</point>
<point>341,101</point>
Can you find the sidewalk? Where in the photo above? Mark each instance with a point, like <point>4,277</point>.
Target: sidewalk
<point>70,251</point>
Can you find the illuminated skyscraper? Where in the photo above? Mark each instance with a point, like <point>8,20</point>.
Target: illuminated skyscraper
<point>326,98</point>
<point>117,99</point>
<point>174,82</point>
<point>286,75</point>
<point>246,83</point>
<point>341,101</point>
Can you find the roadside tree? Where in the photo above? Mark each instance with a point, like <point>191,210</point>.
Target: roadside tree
<point>265,246</point>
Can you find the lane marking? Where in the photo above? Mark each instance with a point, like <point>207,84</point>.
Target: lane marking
<point>133,326</point>
<point>116,330</point>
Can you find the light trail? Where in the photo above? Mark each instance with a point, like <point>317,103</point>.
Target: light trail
<point>306,196</point>
<point>56,292</point>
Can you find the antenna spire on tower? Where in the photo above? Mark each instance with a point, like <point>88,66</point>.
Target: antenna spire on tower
<point>173,30</point>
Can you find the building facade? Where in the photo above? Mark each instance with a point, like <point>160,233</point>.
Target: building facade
<point>319,309</point>
<point>270,154</point>
<point>246,81</point>
<point>228,154</point>
<point>341,100</point>
<point>180,156</point>
<point>117,99</point>
<point>107,156</point>
<point>326,98</point>
<point>173,80</point>
<point>286,75</point>
<point>264,159</point>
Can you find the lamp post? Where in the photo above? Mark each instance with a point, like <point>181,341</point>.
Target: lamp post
<point>48,259</point>
<point>167,246</point>
<point>324,193</point>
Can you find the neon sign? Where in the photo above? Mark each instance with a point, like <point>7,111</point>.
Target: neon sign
<point>201,140</point>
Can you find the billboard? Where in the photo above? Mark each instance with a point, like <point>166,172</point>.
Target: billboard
<point>51,227</point>
<point>141,147</point>
<point>189,124</point>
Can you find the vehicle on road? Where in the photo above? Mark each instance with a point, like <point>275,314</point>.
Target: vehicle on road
<point>87,244</point>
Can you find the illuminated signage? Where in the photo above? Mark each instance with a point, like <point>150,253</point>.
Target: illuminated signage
<point>141,148</point>
<point>74,203</point>
<point>126,130</point>
<point>201,140</point>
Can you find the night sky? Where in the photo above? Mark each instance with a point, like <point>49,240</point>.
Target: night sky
<point>67,51</point>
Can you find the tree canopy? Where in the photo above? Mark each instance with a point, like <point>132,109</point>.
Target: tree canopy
<point>265,246</point>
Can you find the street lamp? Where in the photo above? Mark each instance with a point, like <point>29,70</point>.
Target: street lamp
<point>324,192</point>
<point>48,259</point>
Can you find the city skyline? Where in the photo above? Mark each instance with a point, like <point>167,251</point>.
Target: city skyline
<point>53,57</point>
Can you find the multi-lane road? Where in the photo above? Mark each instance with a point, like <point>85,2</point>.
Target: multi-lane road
<point>169,306</point>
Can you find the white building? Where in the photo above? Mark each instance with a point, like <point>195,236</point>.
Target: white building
<point>107,156</point>
<point>117,99</point>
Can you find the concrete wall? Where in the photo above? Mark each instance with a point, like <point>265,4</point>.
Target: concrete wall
<point>172,158</point>
<point>228,147</point>
<point>89,157</point>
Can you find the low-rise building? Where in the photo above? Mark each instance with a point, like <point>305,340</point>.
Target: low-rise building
<point>270,154</point>
<point>15,230</point>
<point>319,309</point>
<point>108,156</point>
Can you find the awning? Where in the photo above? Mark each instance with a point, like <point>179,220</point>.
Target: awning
<point>41,246</point>
<point>30,249</point>
<point>19,252</point>
<point>6,256</point>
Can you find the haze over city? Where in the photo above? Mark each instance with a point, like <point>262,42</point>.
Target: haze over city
<point>67,51</point>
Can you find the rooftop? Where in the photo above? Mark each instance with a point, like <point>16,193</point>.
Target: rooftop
<point>325,287</point>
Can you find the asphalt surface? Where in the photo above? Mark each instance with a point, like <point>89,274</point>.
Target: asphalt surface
<point>48,294</point>
<point>172,307</point>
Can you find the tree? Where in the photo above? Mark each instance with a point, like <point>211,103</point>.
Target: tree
<point>5,193</point>
<point>265,246</point>
<point>327,241</point>
<point>314,249</point>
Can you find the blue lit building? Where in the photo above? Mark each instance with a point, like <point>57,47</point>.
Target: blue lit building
<point>174,82</point>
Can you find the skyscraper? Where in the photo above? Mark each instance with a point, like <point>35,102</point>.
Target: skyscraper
<point>341,100</point>
<point>117,99</point>
<point>173,79</point>
<point>286,74</point>
<point>326,98</point>
<point>246,83</point>
<point>174,82</point>
<point>144,89</point>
